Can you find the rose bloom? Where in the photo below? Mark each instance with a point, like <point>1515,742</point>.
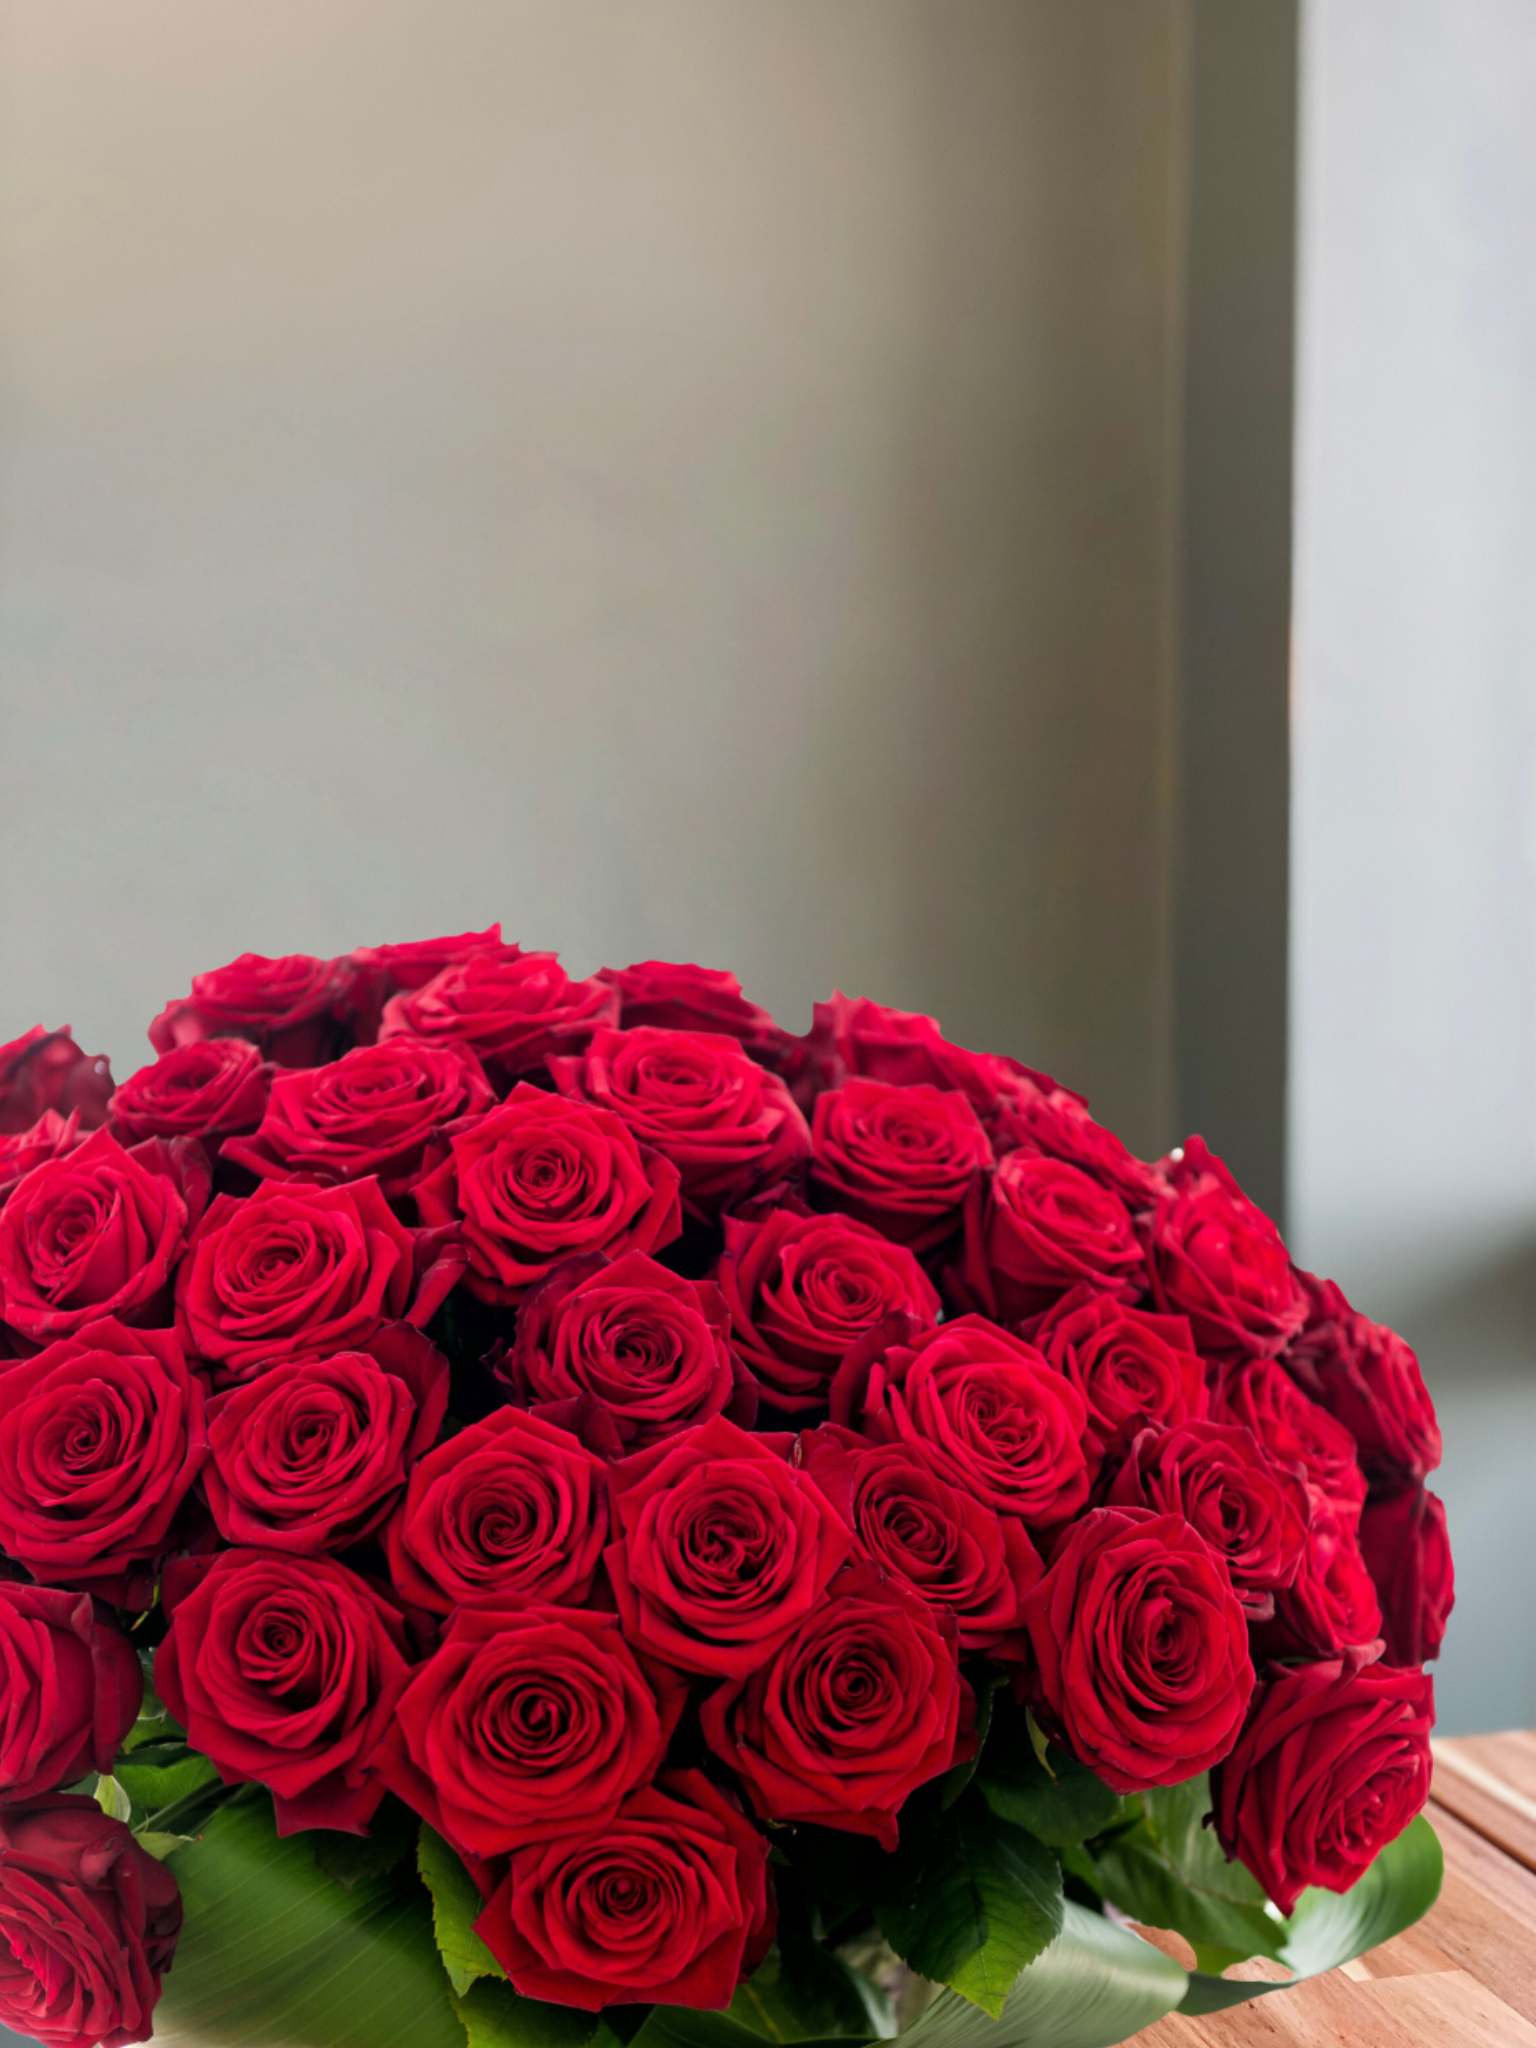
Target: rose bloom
<point>540,1179</point>
<point>863,1704</point>
<point>312,1455</point>
<point>1141,1650</point>
<point>1259,1396</point>
<point>899,1159</point>
<point>290,1007</point>
<point>46,1070</point>
<point>859,1039</point>
<point>88,1925</point>
<point>527,1722</point>
<point>509,1506</point>
<point>511,1008</point>
<point>1408,1555</point>
<point>999,1422</point>
<point>210,1089</point>
<point>73,1688</point>
<point>722,1549</point>
<point>670,1901</point>
<point>1333,1764</point>
<point>699,1099</point>
<point>803,1289</point>
<point>379,972</point>
<point>51,1137</point>
<point>1055,1123</point>
<point>1367,1378</point>
<point>1134,1370</point>
<point>1218,1260</point>
<point>285,1672</point>
<point>675,996</point>
<point>1331,1604</point>
<point>1040,1229</point>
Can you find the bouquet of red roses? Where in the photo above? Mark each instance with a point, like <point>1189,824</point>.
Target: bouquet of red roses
<point>539,1510</point>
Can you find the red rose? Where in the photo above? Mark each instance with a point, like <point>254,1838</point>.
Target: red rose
<point>676,997</point>
<point>511,1008</point>
<point>210,1089</point>
<point>73,1688</point>
<point>290,1008</point>
<point>1055,1123</point>
<point>1408,1555</point>
<point>670,1902</point>
<point>1041,1228</point>
<point>960,1556</point>
<point>1000,1423</point>
<point>858,1038</point>
<point>1331,1604</point>
<point>46,1070</point>
<point>95,1233</point>
<point>1217,1259</point>
<point>88,1926</point>
<point>1332,1766</point>
<point>900,1159</point>
<point>863,1704</point>
<point>1367,1378</point>
<point>803,1289</point>
<point>541,1179</point>
<point>370,1112</point>
<point>1141,1650</point>
<point>722,1549</point>
<point>379,972</point>
<point>1133,1370</point>
<point>509,1506</point>
<point>101,1437</point>
<point>285,1672</point>
<point>1217,1476</point>
<point>312,1455</point>
<point>51,1137</point>
<point>527,1722</point>
<point>643,1346</point>
<point>698,1099</point>
<point>1257,1395</point>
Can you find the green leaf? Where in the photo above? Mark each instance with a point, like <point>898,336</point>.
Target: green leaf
<point>160,1845</point>
<point>677,2026</point>
<point>456,1906</point>
<point>804,1993</point>
<point>1054,1796</point>
<point>273,1954</point>
<point>955,1780</point>
<point>170,1775</point>
<point>113,1799</point>
<point>493,2016</point>
<point>349,1859</point>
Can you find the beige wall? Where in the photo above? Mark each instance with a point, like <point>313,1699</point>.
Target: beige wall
<point>688,476</point>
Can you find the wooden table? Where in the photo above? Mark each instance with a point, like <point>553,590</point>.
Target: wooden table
<point>1465,1977</point>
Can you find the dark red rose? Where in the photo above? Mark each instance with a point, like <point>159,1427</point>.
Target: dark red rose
<point>670,1902</point>
<point>528,1721</point>
<point>540,1179</point>
<point>379,972</point>
<point>960,1556</point>
<point>645,1347</point>
<point>857,1038</point>
<point>313,1454</point>
<point>673,996</point>
<point>101,1437</point>
<point>803,1289</point>
<point>1366,1377</point>
<point>88,1926</point>
<point>1000,1423</point>
<point>509,1506</point>
<point>899,1159</point>
<point>722,1549</point>
<point>1408,1555</point>
<point>46,1070</point>
<point>1331,1604</point>
<point>1217,1259</point>
<point>1134,1370</point>
<point>370,1112</point>
<point>72,1689</point>
<point>285,1672</point>
<point>511,1008</point>
<point>1294,1430</point>
<point>1141,1649</point>
<point>51,1137</point>
<point>210,1089</point>
<point>1038,1229</point>
<point>291,1008</point>
<point>863,1704</point>
<point>700,1100</point>
<point>1055,1123</point>
<point>93,1233</point>
<point>1333,1764</point>
<point>1218,1477</point>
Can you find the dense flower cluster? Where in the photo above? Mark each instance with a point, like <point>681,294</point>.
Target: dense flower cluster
<point>612,1425</point>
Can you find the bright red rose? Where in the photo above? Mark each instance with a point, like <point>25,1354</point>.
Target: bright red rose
<point>46,1070</point>
<point>1000,1423</point>
<point>1141,1649</point>
<point>1217,1259</point>
<point>370,1112</point>
<point>899,1159</point>
<point>285,1672</point>
<point>1331,1604</point>
<point>670,1902</point>
<point>644,1347</point>
<point>541,1179</point>
<point>722,1549</point>
<point>510,1506</point>
<point>863,1704</point>
<point>1367,1378</point>
<point>1134,1370</point>
<point>210,1089</point>
<point>72,1689</point>
<point>101,1437</point>
<point>855,1038</point>
<point>51,1137</point>
<point>673,996</point>
<point>379,972</point>
<point>291,1008</point>
<point>1294,1431</point>
<point>1408,1555</point>
<point>513,1009</point>
<point>1040,1228</point>
<point>528,1721</point>
<point>313,1454</point>
<point>1333,1764</point>
<point>698,1099</point>
<point>1055,1123</point>
<point>88,1926</point>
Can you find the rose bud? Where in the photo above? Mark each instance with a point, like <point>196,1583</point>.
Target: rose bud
<point>291,1008</point>
<point>1217,1259</point>
<point>71,1690</point>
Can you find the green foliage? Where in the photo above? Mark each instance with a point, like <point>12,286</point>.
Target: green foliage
<point>456,1905</point>
<point>1050,1793</point>
<point>162,1774</point>
<point>804,1993</point>
<point>349,1859</point>
<point>493,2016</point>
